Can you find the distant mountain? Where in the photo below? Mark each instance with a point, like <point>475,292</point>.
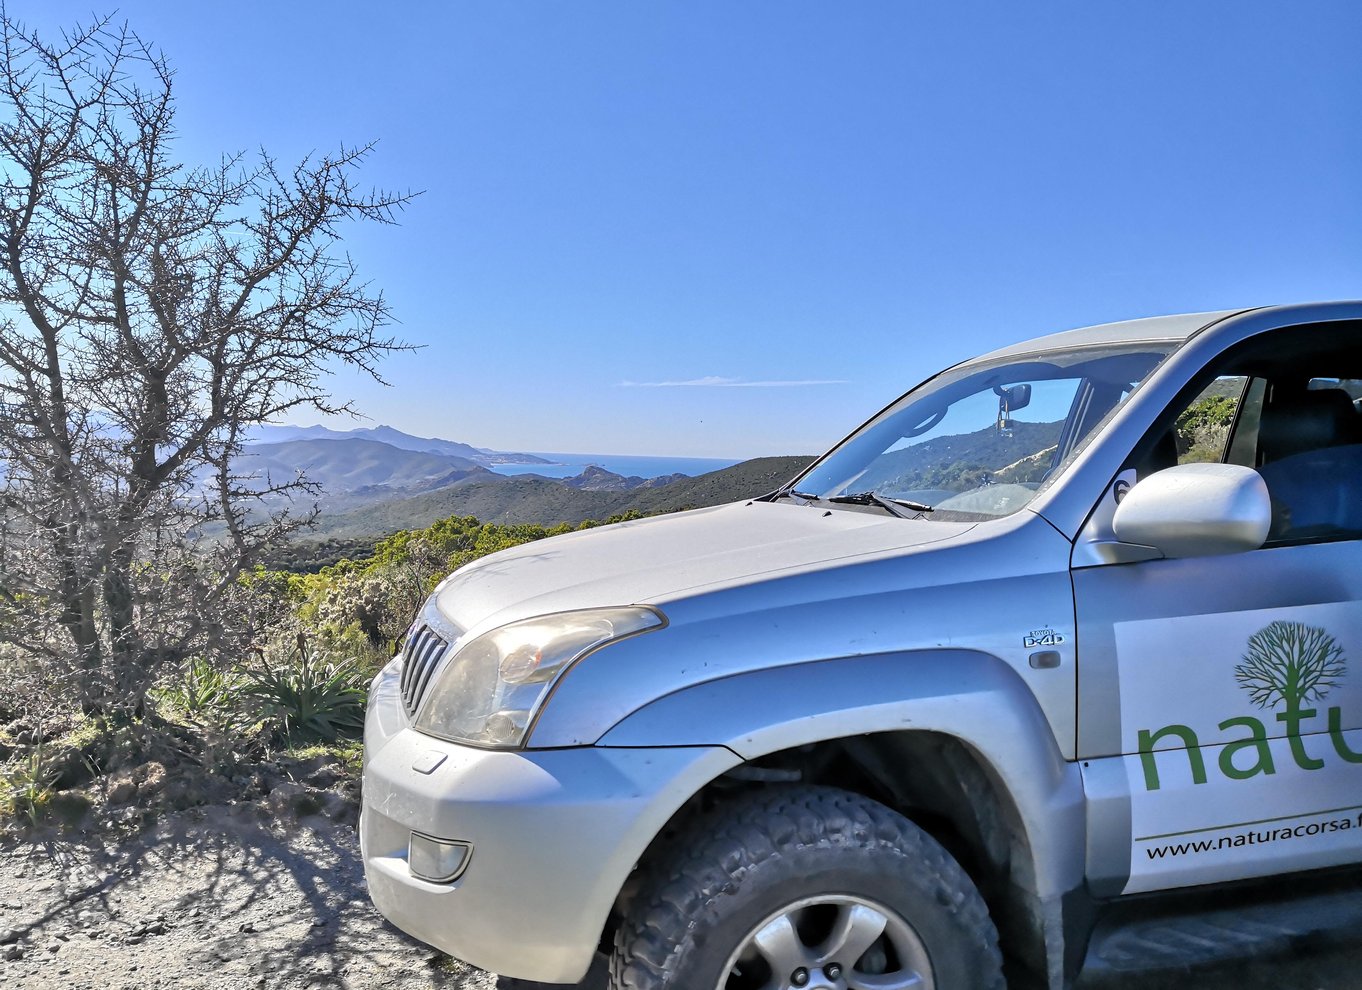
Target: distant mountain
<point>597,479</point>
<point>529,499</point>
<point>261,435</point>
<point>349,466</point>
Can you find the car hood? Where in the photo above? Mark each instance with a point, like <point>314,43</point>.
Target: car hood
<point>650,561</point>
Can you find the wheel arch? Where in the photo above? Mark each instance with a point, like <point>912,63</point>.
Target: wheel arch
<point>952,739</point>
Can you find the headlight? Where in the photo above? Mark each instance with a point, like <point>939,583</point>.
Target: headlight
<point>490,690</point>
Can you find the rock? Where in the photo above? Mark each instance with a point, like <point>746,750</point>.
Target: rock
<point>340,809</point>
<point>70,807</point>
<point>324,776</point>
<point>8,936</point>
<point>121,786</point>
<point>285,796</point>
<point>153,778</point>
<point>12,952</point>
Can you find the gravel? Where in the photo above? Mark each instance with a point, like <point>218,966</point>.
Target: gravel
<point>235,898</point>
<point>219,897</point>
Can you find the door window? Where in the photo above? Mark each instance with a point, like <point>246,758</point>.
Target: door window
<point>1289,406</point>
<point>1202,430</point>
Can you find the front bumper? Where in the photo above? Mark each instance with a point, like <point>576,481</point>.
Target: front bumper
<point>554,835</point>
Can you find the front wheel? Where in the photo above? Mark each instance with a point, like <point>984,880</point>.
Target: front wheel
<point>807,888</point>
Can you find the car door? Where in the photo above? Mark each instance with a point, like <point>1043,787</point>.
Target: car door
<point>1220,697</point>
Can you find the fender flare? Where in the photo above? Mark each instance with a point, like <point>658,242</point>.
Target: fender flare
<point>969,695</point>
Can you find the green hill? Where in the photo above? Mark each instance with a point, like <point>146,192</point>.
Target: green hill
<point>536,500</point>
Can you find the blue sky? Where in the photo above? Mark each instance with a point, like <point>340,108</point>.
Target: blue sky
<point>732,229</point>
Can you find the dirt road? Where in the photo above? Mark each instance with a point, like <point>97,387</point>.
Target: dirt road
<point>220,899</point>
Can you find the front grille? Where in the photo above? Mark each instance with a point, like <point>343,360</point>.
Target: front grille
<point>420,657</point>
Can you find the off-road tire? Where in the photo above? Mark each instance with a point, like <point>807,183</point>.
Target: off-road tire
<point>757,854</point>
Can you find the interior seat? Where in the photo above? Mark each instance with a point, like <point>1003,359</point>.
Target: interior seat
<point>1310,452</point>
<point>1307,420</point>
<point>1316,493</point>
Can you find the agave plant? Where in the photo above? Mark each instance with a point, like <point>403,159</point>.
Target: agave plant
<point>310,699</point>
<point>204,689</point>
<point>26,786</point>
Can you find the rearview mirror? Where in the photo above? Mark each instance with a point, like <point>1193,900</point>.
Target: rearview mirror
<point>1013,397</point>
<point>1010,398</point>
<point>1196,510</point>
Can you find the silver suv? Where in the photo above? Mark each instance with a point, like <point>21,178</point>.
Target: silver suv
<point>1052,665</point>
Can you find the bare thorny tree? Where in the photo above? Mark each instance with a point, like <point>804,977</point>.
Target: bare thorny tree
<point>150,313</point>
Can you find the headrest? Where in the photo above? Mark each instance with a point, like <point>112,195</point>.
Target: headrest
<point>1309,420</point>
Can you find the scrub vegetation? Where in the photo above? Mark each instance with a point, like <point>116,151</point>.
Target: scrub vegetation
<point>297,689</point>
<point>1204,427</point>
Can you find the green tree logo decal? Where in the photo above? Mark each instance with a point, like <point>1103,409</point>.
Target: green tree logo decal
<point>1291,663</point>
<point>1288,665</point>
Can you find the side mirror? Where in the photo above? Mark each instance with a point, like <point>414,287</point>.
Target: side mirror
<point>1196,510</point>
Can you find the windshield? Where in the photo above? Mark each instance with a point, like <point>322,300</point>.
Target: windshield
<point>980,440</point>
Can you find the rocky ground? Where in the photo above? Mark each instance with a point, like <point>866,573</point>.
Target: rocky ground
<point>268,893</point>
<point>220,898</point>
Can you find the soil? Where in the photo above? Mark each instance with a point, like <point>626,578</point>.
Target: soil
<point>237,898</point>
<point>216,897</point>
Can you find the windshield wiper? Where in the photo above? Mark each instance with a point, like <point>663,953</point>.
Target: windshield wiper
<point>794,493</point>
<point>895,505</point>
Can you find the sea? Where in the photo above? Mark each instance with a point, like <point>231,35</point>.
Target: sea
<point>628,465</point>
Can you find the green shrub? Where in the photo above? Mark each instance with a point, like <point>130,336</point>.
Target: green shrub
<point>204,691</point>
<point>1203,428</point>
<point>309,698</point>
<point>26,787</point>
